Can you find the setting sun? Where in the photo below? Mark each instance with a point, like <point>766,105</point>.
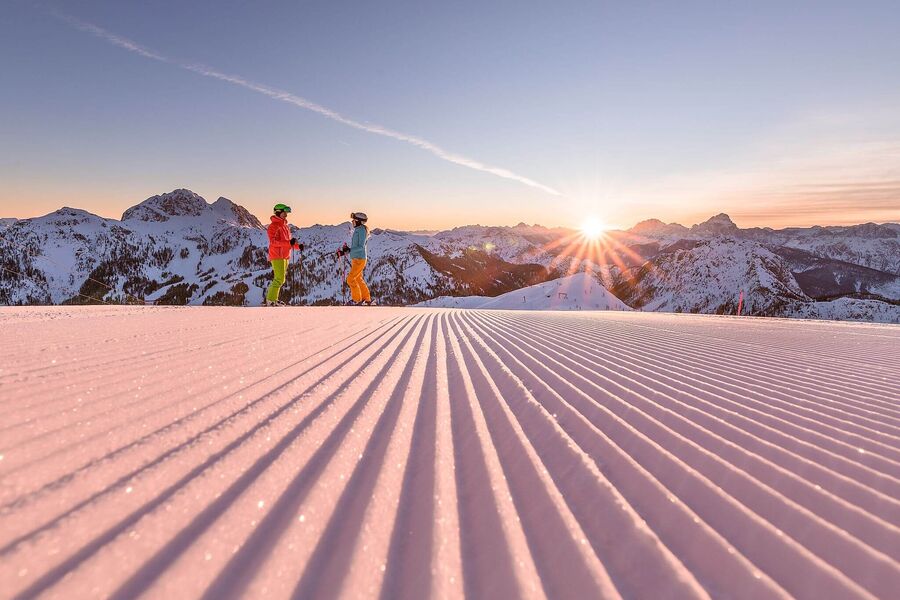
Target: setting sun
<point>592,228</point>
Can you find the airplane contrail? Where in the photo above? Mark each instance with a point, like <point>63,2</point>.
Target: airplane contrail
<point>283,96</point>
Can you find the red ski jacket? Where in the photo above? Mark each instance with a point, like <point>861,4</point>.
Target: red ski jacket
<point>280,239</point>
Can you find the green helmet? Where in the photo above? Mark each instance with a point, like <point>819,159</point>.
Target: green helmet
<point>282,208</point>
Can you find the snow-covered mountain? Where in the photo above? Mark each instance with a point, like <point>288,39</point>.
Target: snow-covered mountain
<point>828,278</point>
<point>181,206</point>
<point>581,291</point>
<point>868,245</point>
<point>844,309</point>
<point>710,276</point>
<point>782,272</point>
<point>654,228</point>
<point>532,244</point>
<point>176,248</point>
<point>720,224</point>
<point>169,249</point>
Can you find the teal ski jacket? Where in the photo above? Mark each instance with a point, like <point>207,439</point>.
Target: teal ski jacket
<point>358,243</point>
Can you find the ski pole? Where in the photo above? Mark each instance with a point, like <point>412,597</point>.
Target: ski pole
<point>343,280</point>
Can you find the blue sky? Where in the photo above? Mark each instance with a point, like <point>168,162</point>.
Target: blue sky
<point>779,113</point>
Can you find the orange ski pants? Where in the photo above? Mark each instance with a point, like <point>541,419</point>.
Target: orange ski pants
<point>359,291</point>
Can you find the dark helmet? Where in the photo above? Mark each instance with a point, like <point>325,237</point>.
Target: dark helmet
<point>359,216</point>
<point>282,208</point>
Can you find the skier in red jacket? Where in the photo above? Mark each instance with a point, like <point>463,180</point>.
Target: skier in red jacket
<point>280,245</point>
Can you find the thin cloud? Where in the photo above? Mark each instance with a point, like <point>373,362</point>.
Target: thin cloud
<point>300,102</point>
<point>111,37</point>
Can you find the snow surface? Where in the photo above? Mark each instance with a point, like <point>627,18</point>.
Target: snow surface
<point>580,291</point>
<point>265,453</point>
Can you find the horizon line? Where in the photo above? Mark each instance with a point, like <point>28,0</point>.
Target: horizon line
<point>425,230</point>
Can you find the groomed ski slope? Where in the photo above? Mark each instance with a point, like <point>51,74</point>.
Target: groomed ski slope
<point>413,453</point>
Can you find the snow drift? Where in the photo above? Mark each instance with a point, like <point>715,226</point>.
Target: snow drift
<point>581,291</point>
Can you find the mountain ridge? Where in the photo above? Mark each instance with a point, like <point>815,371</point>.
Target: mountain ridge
<point>177,248</point>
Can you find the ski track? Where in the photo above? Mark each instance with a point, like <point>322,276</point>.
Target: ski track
<point>410,453</point>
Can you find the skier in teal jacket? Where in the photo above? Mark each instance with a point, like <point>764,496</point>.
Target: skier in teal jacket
<point>359,291</point>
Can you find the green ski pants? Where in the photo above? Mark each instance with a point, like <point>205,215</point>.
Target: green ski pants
<point>279,266</point>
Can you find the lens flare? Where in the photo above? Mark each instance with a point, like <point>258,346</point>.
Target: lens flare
<point>592,228</point>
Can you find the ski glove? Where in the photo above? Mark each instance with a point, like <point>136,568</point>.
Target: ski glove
<point>294,242</point>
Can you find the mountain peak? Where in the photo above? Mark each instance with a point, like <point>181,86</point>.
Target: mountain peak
<point>235,213</point>
<point>177,203</point>
<point>655,227</point>
<point>67,214</point>
<point>721,223</point>
<point>185,203</point>
<point>68,211</point>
